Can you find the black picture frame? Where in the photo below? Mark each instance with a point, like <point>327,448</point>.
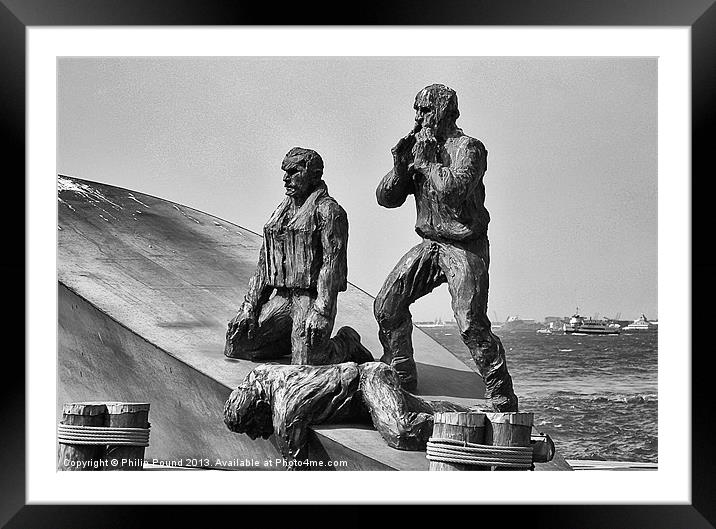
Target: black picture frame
<point>699,15</point>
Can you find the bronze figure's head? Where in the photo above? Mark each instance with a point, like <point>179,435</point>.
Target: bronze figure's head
<point>436,108</point>
<point>248,411</point>
<point>303,171</point>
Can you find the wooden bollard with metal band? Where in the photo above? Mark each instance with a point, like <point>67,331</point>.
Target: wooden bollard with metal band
<point>460,426</point>
<point>126,415</point>
<point>103,436</point>
<point>81,456</point>
<point>509,430</point>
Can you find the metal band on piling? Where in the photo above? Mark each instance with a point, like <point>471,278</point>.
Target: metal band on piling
<point>100,435</point>
<point>465,453</point>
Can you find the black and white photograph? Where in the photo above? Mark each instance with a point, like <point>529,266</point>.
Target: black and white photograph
<point>358,263</point>
<point>404,251</point>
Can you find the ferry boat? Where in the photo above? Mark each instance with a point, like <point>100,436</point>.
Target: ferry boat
<point>641,324</point>
<point>579,325</point>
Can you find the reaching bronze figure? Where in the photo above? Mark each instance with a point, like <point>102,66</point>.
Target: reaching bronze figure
<point>443,168</point>
<point>286,400</point>
<point>303,263</point>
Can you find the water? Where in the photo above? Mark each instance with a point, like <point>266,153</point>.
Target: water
<point>596,396</point>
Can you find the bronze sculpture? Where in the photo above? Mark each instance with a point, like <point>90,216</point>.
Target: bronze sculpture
<point>303,264</point>
<point>285,400</point>
<point>443,168</point>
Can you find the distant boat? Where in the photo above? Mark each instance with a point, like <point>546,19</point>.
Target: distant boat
<point>438,322</point>
<point>515,323</point>
<point>579,325</point>
<point>544,331</point>
<point>641,324</point>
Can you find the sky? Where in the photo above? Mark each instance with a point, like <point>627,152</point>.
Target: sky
<point>571,183</point>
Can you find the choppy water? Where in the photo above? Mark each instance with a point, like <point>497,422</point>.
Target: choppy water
<point>596,396</point>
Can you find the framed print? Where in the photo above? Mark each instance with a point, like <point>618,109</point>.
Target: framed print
<point>179,128</point>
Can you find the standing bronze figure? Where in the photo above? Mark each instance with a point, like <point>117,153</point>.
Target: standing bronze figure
<point>303,263</point>
<point>443,168</point>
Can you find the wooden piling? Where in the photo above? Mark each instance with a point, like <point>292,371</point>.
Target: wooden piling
<point>126,415</point>
<point>80,456</point>
<point>461,426</point>
<point>508,429</point>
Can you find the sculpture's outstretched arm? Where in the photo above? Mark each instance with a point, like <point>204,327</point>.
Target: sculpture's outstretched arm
<point>405,422</point>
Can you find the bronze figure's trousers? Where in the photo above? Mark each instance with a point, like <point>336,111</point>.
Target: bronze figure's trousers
<point>281,331</point>
<point>464,266</point>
